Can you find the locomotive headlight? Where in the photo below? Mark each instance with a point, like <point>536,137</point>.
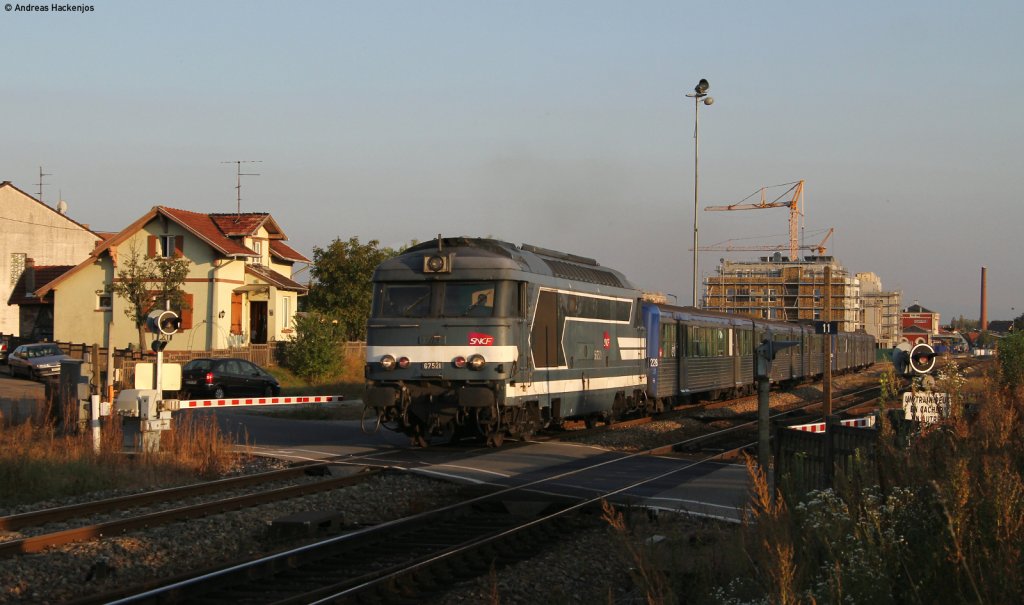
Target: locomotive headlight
<point>459,362</point>
<point>476,361</point>
<point>435,263</point>
<point>387,362</point>
<point>403,362</point>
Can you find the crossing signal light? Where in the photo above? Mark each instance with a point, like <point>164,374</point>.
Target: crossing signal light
<point>164,323</point>
<point>922,358</point>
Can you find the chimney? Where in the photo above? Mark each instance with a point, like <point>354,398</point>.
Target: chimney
<point>30,277</point>
<point>983,322</point>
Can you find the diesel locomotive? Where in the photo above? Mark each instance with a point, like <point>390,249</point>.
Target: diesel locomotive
<point>479,337</point>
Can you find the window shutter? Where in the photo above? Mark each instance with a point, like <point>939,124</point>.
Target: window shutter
<point>186,313</point>
<point>151,246</point>
<point>236,313</point>
<point>179,246</point>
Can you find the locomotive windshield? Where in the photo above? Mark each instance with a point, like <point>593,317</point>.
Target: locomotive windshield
<point>404,300</point>
<point>447,299</point>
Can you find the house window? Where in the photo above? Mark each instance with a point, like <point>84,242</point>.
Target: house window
<point>257,247</point>
<point>286,312</point>
<point>104,302</point>
<point>17,265</point>
<point>166,245</point>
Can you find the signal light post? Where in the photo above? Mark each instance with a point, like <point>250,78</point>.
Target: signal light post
<point>700,91</point>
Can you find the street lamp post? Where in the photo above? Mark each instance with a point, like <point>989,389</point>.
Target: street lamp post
<point>699,92</point>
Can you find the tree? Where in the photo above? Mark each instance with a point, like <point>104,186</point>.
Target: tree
<point>1011,360</point>
<point>343,282</point>
<point>313,352</point>
<point>149,283</point>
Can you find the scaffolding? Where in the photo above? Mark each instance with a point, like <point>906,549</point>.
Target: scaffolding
<point>779,288</point>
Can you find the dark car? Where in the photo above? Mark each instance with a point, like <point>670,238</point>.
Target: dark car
<point>36,361</point>
<point>220,378</point>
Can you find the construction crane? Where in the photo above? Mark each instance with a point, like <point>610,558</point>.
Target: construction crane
<point>794,210</point>
<point>728,247</point>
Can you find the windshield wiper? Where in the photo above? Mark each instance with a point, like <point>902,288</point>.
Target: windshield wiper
<point>405,311</point>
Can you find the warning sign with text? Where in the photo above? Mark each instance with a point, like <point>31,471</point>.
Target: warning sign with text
<point>926,407</point>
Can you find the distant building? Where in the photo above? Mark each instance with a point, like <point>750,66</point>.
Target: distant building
<point>35,238</point>
<point>777,288</point>
<point>916,316</point>
<point>920,325</point>
<point>880,310</point>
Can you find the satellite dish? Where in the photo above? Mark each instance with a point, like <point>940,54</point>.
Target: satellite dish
<point>62,207</point>
<point>702,86</point>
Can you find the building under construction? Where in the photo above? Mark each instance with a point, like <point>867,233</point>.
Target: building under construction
<point>776,287</point>
<point>881,310</point>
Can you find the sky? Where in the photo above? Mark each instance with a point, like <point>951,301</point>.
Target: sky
<point>558,123</point>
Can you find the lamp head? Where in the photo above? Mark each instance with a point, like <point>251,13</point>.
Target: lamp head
<point>709,101</point>
<point>702,87</point>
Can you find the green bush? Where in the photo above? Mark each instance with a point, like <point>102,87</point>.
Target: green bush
<point>1011,360</point>
<point>313,352</point>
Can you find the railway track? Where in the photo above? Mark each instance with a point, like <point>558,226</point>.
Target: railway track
<point>40,542</point>
<point>406,560</point>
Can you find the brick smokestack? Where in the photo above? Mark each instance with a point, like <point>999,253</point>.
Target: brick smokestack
<point>983,322</point>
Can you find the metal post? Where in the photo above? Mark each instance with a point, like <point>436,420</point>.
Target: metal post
<point>696,148</point>
<point>763,451</point>
<point>828,340</point>
<point>94,421</point>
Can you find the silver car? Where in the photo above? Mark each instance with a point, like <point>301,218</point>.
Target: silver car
<point>36,361</point>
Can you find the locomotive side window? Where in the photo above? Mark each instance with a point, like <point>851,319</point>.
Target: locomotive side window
<point>404,300</point>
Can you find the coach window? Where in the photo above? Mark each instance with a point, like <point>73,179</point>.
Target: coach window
<point>668,340</point>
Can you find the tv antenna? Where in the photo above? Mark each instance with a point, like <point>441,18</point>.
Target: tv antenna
<point>41,183</point>
<point>238,186</point>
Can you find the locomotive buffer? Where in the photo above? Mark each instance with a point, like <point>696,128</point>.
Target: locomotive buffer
<point>766,352</point>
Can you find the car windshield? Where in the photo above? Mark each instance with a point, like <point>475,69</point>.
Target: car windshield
<point>44,351</point>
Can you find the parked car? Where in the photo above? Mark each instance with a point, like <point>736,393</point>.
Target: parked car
<point>3,351</point>
<point>36,361</point>
<point>220,378</point>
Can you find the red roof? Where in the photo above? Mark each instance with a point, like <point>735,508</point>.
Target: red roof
<point>44,274</point>
<point>206,227</point>
<point>239,224</point>
<point>282,250</point>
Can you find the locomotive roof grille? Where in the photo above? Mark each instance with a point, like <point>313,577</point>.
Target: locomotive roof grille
<point>587,274</point>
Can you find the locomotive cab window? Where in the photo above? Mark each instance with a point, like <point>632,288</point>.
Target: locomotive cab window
<point>469,299</point>
<point>403,300</point>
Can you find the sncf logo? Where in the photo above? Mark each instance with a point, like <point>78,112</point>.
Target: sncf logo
<point>480,340</point>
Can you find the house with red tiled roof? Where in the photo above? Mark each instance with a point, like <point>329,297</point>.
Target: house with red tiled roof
<point>34,237</point>
<point>238,290</point>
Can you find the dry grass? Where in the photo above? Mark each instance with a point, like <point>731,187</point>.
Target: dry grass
<point>39,461</point>
<point>944,523</point>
